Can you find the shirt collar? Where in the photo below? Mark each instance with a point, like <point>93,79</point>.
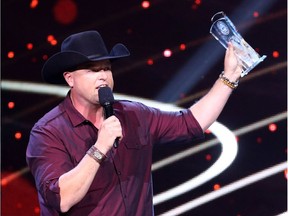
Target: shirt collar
<point>75,117</point>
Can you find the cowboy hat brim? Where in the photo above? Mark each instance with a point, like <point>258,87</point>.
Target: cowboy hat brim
<point>56,65</point>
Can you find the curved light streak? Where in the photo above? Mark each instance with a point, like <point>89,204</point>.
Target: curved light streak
<point>202,146</point>
<point>183,154</point>
<point>229,152</point>
<point>36,88</point>
<point>283,214</point>
<point>6,180</point>
<point>61,91</point>
<point>226,189</point>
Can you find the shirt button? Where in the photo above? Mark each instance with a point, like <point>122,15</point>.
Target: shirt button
<point>118,172</point>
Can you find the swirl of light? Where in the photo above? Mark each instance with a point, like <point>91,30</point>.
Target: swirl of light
<point>228,154</point>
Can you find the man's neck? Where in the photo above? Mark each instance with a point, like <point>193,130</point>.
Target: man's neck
<point>93,113</point>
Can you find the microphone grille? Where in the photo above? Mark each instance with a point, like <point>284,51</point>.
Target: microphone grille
<point>105,96</point>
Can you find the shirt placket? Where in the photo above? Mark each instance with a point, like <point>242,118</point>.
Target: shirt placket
<point>121,178</point>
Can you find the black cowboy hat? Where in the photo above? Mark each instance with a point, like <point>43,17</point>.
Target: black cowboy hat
<point>77,49</point>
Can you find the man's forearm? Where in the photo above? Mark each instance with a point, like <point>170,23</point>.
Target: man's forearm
<point>75,183</point>
<point>208,108</point>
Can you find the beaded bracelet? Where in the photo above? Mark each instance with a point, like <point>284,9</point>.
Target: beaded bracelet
<point>96,154</point>
<point>226,81</point>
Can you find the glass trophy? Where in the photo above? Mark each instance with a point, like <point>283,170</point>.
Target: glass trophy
<point>224,31</point>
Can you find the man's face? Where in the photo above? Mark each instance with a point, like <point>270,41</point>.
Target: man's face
<point>86,80</point>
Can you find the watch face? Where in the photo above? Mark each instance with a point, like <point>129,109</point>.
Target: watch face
<point>98,155</point>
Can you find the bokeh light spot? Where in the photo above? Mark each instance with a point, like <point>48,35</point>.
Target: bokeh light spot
<point>11,105</point>
<point>182,47</point>
<point>65,11</point>
<point>145,4</point>
<point>37,210</point>
<point>272,127</point>
<point>53,42</point>
<point>11,54</point>
<point>216,186</point>
<point>29,46</point>
<point>18,135</point>
<point>167,53</point>
<point>208,157</point>
<point>256,14</point>
<point>150,62</point>
<point>33,4</point>
<point>45,57</point>
<point>275,54</point>
<point>50,38</point>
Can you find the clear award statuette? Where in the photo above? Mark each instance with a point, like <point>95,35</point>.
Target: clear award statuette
<point>224,31</point>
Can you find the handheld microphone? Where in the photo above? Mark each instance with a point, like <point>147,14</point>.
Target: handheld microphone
<point>106,100</point>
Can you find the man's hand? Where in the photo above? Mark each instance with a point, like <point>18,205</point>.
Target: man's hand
<point>232,68</point>
<point>109,130</point>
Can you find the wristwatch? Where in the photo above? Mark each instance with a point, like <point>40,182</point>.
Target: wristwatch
<point>96,154</point>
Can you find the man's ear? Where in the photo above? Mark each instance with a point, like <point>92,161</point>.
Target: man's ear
<point>68,77</point>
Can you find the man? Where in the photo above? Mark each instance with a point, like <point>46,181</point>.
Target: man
<point>70,152</point>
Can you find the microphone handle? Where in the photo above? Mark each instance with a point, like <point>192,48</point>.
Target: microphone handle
<point>115,144</point>
<point>109,111</point>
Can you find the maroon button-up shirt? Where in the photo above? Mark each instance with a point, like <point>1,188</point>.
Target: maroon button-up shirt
<point>123,184</point>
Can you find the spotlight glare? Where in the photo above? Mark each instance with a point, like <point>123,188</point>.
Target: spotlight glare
<point>272,127</point>
<point>50,38</point>
<point>33,4</point>
<point>53,42</point>
<point>11,105</point>
<point>18,135</point>
<point>11,54</point>
<point>167,53</point>
<point>145,4</point>
<point>4,182</point>
<point>29,46</point>
<point>216,187</point>
<point>182,47</point>
<point>275,54</point>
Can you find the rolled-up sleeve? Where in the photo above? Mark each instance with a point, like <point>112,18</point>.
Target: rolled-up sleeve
<point>47,160</point>
<point>178,126</point>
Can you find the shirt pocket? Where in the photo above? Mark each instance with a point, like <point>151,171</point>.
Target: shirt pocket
<point>135,140</point>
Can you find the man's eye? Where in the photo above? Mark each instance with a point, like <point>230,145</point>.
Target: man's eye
<point>100,69</point>
<point>107,68</point>
<point>95,70</point>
